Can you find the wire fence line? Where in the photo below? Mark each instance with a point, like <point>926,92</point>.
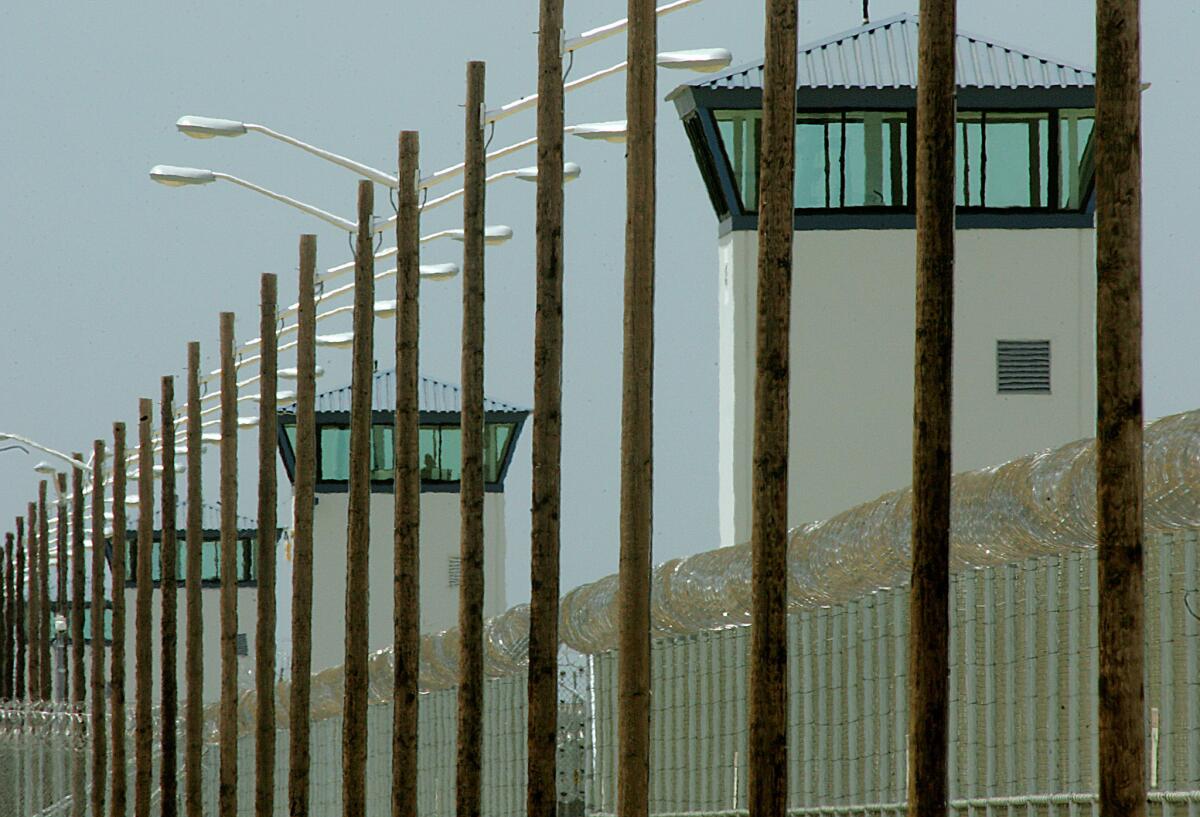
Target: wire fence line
<point>1023,713</point>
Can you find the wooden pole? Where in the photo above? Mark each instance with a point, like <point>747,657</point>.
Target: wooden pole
<point>227,795</point>
<point>60,588</point>
<point>193,666</point>
<point>6,620</point>
<point>542,714</point>
<point>78,580</point>
<point>929,600</point>
<point>120,536</point>
<point>19,617</point>
<point>143,729</point>
<point>169,626</point>
<point>358,525</point>
<point>406,559</point>
<point>468,783</point>
<point>302,554</point>
<point>98,692</point>
<point>44,625</point>
<point>1119,477</point>
<point>637,417</point>
<point>768,747</point>
<point>264,640</point>
<point>35,600</point>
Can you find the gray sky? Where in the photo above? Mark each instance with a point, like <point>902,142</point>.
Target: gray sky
<point>107,276</point>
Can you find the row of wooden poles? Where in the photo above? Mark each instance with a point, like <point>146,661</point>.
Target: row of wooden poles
<point>1119,479</point>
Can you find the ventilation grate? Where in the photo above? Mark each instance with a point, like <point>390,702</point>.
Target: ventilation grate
<point>1023,366</point>
<point>242,645</point>
<point>454,570</point>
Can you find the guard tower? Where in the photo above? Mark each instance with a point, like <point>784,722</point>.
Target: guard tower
<point>441,457</point>
<point>1024,362</point>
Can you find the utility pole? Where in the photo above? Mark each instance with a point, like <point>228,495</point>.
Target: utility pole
<point>542,713</point>
<point>193,662</point>
<point>468,781</point>
<point>1119,477</point>
<point>78,691</point>
<point>358,525</point>
<point>302,510</point>
<point>169,558</point>
<point>264,641</point>
<point>35,602</point>
<point>406,557</point>
<point>143,729</point>
<point>44,625</point>
<point>227,795</point>
<point>117,803</point>
<point>60,589</point>
<point>929,599</point>
<point>637,416</point>
<point>768,748</point>
<point>5,620</point>
<point>19,618</point>
<point>98,693</point>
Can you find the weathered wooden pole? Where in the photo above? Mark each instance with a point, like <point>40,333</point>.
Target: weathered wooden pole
<point>78,681</point>
<point>358,524</point>
<point>168,618</point>
<point>44,620</point>
<point>302,545</point>
<point>264,640</point>
<point>117,800</point>
<point>60,585</point>
<point>768,748</point>
<point>468,782</point>
<point>35,601</point>
<point>929,600</point>
<point>22,604</point>
<point>98,692</point>
<point>143,668</point>
<point>637,417</point>
<point>541,798</point>
<point>227,795</point>
<point>6,620</point>
<point>406,557</point>
<point>1119,477</point>
<point>193,666</point>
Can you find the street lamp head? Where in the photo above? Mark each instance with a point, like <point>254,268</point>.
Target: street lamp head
<point>701,60</point>
<point>293,373</point>
<point>571,172</point>
<point>206,127</point>
<point>614,131</point>
<point>44,467</point>
<point>443,272</point>
<point>339,340</point>
<point>493,236</point>
<point>173,176</point>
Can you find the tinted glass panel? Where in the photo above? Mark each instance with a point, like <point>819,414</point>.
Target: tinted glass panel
<point>1003,159</point>
<point>440,452</point>
<point>335,452</point>
<point>1075,139</point>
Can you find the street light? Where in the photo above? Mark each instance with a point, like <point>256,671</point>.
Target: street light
<point>74,463</point>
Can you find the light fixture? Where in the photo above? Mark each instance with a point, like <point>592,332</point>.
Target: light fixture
<point>293,372</point>
<point>207,127</point>
<point>615,131</point>
<point>340,340</point>
<point>492,236</point>
<point>700,60</point>
<point>571,172</point>
<point>44,467</point>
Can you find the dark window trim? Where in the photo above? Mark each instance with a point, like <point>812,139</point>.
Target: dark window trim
<point>693,98</point>
<point>246,537</point>
<point>973,219</point>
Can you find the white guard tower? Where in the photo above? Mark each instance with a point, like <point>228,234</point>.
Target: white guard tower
<point>440,463</point>
<point>1025,274</point>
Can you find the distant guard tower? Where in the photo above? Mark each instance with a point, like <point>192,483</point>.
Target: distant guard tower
<point>1024,361</point>
<point>441,457</point>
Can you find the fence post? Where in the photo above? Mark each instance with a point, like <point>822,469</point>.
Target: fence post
<point>264,641</point>
<point>117,653</point>
<point>143,620</point>
<point>168,626</point>
<point>98,694</point>
<point>227,794</point>
<point>193,667</point>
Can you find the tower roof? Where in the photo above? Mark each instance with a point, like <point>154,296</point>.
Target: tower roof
<point>433,396</point>
<point>883,55</point>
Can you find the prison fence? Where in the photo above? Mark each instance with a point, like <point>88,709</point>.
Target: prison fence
<point>1024,713</point>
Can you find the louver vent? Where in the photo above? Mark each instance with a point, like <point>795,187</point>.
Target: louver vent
<point>242,645</point>
<point>453,570</point>
<point>1023,366</point>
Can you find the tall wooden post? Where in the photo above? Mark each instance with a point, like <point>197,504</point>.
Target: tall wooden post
<point>60,586</point>
<point>406,557</point>
<point>143,669</point>
<point>637,417</point>
<point>117,801</point>
<point>99,696</point>
<point>264,640</point>
<point>78,677</point>
<point>302,521</point>
<point>35,601</point>
<point>470,597</point>
<point>44,625</point>
<point>227,795</point>
<point>1119,478</point>
<point>193,666</point>
<point>168,622</point>
<point>358,525</point>
<point>542,715</point>
<point>768,748</point>
<point>929,616</point>
<point>5,619</point>
<point>21,603</point>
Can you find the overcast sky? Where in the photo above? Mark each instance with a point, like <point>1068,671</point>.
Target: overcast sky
<point>108,276</point>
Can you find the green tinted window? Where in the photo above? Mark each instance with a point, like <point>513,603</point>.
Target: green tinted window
<point>335,453</point>
<point>440,452</point>
<point>1075,140</point>
<point>1002,159</point>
